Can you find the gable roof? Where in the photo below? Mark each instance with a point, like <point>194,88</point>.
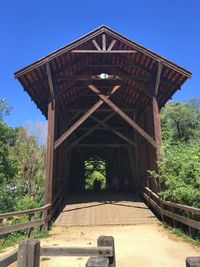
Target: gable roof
<point>136,70</point>
<point>93,34</point>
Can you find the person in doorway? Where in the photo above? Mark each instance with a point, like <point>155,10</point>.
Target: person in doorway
<point>97,185</point>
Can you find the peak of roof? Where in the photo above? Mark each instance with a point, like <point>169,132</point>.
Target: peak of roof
<point>91,35</point>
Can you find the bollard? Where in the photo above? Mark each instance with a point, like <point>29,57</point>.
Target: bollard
<point>193,262</point>
<point>108,241</point>
<point>97,262</point>
<point>29,253</point>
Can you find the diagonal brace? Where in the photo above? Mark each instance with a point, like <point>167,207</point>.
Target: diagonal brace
<point>124,116</point>
<point>90,131</point>
<point>115,131</point>
<point>90,111</point>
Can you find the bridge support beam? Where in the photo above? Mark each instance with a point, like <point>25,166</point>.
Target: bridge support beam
<point>50,140</point>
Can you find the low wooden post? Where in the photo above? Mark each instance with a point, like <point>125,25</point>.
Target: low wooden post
<point>30,218</point>
<point>161,210</point>
<point>29,253</point>
<point>193,262</point>
<point>97,262</point>
<point>108,241</point>
<point>174,221</point>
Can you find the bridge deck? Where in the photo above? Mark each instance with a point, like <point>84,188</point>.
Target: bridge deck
<point>104,209</point>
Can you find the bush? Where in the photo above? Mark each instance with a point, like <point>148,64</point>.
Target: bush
<point>179,172</point>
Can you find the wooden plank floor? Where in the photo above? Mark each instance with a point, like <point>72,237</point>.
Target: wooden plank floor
<point>104,209</point>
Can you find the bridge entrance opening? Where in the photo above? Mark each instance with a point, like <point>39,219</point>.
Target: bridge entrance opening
<point>95,174</point>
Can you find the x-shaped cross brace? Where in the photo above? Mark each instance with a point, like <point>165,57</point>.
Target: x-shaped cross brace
<point>124,116</point>
<point>104,99</point>
<point>90,111</point>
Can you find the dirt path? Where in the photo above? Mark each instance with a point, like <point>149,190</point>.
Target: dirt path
<point>136,245</point>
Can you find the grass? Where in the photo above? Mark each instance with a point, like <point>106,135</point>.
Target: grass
<point>180,233</point>
<point>13,239</point>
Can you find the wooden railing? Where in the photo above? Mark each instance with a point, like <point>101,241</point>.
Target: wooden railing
<point>178,213</point>
<point>33,217</point>
<point>29,252</point>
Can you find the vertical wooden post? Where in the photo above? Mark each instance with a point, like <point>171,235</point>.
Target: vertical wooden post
<point>156,115</point>
<point>158,133</point>
<point>108,241</point>
<point>97,262</point>
<point>50,152</point>
<point>193,262</point>
<point>50,139</point>
<point>30,218</point>
<point>157,127</point>
<point>28,253</point>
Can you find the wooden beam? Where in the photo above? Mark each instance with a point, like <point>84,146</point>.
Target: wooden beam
<point>110,65</point>
<point>89,132</point>
<point>82,119</point>
<point>158,77</point>
<point>157,127</point>
<point>115,131</point>
<point>86,77</point>
<point>124,116</point>
<point>99,110</point>
<point>111,45</point>
<point>50,81</point>
<point>103,42</point>
<point>50,139</point>
<point>50,152</point>
<point>28,253</point>
<point>96,45</point>
<point>104,52</point>
<point>102,145</point>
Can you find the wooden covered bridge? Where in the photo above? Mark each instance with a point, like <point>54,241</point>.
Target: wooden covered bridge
<point>101,95</point>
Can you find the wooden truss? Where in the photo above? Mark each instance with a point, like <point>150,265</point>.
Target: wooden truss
<point>104,99</point>
<point>104,49</point>
<point>52,144</point>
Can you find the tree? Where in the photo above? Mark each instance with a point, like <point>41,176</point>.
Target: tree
<point>179,169</point>
<point>7,138</point>
<point>30,158</point>
<point>22,165</point>
<point>4,108</point>
<point>179,172</point>
<point>181,121</point>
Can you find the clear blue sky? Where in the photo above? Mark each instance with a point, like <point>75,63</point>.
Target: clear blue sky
<point>31,29</point>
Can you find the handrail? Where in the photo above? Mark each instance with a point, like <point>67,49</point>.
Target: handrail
<point>29,211</point>
<point>180,206</point>
<point>32,220</point>
<point>160,206</point>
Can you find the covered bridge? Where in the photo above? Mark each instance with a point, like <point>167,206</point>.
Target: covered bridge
<point>102,95</point>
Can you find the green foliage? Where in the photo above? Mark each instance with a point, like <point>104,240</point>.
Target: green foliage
<point>7,164</point>
<point>95,170</point>
<point>30,158</point>
<point>4,109</point>
<point>14,238</point>
<point>181,121</point>
<point>22,167</point>
<point>179,170</point>
<point>181,234</point>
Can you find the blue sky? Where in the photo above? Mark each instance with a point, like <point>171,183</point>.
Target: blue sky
<point>31,29</point>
